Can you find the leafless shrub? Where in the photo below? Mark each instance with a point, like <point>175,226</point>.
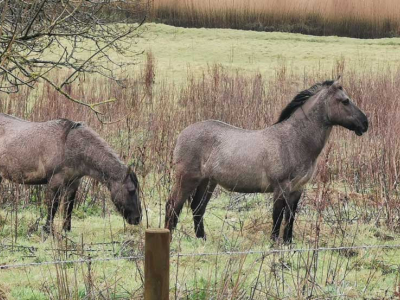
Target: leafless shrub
<point>40,36</point>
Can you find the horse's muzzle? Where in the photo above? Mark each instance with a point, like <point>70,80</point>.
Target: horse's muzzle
<point>359,130</point>
<point>134,220</point>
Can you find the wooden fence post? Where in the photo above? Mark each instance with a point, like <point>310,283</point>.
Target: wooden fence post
<point>156,264</point>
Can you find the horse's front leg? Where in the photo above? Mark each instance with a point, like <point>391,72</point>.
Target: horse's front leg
<point>278,210</point>
<point>69,203</point>
<point>290,212</point>
<point>52,207</point>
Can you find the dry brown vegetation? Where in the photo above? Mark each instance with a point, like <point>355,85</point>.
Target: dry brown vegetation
<point>354,18</point>
<point>357,172</point>
<point>148,116</point>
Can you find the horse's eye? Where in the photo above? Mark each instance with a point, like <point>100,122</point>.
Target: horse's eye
<point>346,101</point>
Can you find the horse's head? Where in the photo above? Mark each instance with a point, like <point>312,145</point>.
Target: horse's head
<point>342,111</point>
<point>125,195</point>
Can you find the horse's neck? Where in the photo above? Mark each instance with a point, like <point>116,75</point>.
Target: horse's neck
<point>108,171</point>
<point>101,163</point>
<point>309,132</point>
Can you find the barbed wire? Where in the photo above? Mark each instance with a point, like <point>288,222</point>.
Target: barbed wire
<point>86,248</point>
<point>76,261</point>
<point>219,253</point>
<point>276,251</point>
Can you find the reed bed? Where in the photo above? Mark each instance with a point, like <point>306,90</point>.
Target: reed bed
<point>352,18</point>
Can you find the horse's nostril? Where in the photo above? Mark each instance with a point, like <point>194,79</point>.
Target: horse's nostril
<point>137,220</point>
<point>365,123</point>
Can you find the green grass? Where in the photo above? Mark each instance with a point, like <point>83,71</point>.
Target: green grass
<point>88,230</point>
<point>178,49</point>
<point>233,223</point>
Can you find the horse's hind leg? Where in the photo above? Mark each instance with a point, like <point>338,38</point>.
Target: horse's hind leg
<point>199,203</point>
<point>181,191</point>
<point>69,203</point>
<point>290,212</point>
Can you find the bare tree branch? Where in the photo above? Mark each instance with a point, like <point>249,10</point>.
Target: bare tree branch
<point>39,36</point>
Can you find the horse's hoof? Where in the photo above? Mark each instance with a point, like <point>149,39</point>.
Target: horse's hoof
<point>287,238</point>
<point>201,235</point>
<point>274,238</point>
<point>287,242</point>
<point>45,232</point>
<point>46,229</point>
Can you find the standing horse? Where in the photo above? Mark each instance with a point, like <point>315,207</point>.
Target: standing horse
<point>279,159</point>
<point>59,153</point>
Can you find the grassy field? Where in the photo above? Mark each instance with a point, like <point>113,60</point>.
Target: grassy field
<point>243,78</point>
<point>181,50</point>
<point>232,225</point>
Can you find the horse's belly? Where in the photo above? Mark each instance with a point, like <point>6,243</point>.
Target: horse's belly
<point>248,189</point>
<point>24,177</point>
<point>246,184</point>
<point>19,171</point>
<point>30,181</point>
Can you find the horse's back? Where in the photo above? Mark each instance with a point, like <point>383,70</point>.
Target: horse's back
<point>31,151</point>
<point>231,156</point>
<point>200,137</point>
<point>211,134</point>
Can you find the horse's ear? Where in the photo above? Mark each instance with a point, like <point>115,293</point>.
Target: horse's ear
<point>129,171</point>
<point>335,85</point>
<point>337,82</point>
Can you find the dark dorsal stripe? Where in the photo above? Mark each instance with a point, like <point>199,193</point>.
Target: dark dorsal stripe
<point>301,98</point>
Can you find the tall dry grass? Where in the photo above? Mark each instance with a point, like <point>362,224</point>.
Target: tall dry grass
<point>353,18</point>
<point>150,113</point>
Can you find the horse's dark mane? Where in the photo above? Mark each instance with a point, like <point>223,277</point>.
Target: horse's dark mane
<point>68,125</point>
<point>301,98</point>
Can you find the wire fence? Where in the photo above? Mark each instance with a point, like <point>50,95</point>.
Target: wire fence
<point>219,253</point>
<point>86,248</point>
<point>76,261</point>
<point>294,250</point>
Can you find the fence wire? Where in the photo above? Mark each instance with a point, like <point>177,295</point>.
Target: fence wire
<point>294,250</point>
<point>220,253</point>
<point>76,261</point>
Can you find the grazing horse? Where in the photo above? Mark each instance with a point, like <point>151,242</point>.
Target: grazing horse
<point>59,153</point>
<point>279,159</point>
